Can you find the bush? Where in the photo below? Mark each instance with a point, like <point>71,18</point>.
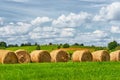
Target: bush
<point>82,44</point>
<point>37,47</point>
<point>66,45</point>
<point>36,44</point>
<point>59,47</point>
<point>50,43</point>
<point>26,44</point>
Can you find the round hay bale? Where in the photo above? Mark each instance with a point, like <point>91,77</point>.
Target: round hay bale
<point>115,56</point>
<point>23,56</point>
<point>8,57</point>
<point>40,56</point>
<point>82,56</point>
<point>101,55</point>
<point>59,56</point>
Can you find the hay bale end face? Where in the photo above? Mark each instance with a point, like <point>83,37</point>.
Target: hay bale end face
<point>40,56</point>
<point>59,56</point>
<point>82,56</point>
<point>101,55</point>
<point>8,57</point>
<point>115,56</point>
<point>23,56</point>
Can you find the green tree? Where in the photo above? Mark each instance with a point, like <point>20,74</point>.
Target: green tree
<point>75,44</point>
<point>38,47</point>
<point>3,44</point>
<point>16,45</point>
<point>66,45</point>
<point>112,45</point>
<point>50,43</point>
<point>12,45</point>
<point>22,44</point>
<point>36,44</point>
<point>59,47</point>
<point>81,44</point>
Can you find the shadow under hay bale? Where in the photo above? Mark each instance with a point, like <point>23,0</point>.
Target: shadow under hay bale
<point>59,56</point>
<point>23,56</point>
<point>8,57</point>
<point>115,56</point>
<point>82,56</point>
<point>101,55</point>
<point>40,56</point>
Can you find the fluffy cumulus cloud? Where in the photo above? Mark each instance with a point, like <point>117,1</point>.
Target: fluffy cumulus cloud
<point>63,29</point>
<point>99,34</point>
<point>109,13</point>
<point>19,28</point>
<point>67,32</point>
<point>82,27</point>
<point>42,33</point>
<point>115,29</point>
<point>40,20</point>
<point>97,37</point>
<point>72,20</point>
<point>59,29</point>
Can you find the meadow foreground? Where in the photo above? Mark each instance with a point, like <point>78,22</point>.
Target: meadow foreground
<point>61,71</point>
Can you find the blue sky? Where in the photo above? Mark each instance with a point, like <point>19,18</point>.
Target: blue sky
<point>92,22</point>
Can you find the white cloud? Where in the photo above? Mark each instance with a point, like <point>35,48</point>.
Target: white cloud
<point>115,29</point>
<point>97,37</point>
<point>40,20</point>
<point>67,32</point>
<point>42,32</point>
<point>72,20</point>
<point>41,35</point>
<point>82,27</point>
<point>19,28</point>
<point>63,29</point>
<point>70,28</point>
<point>100,34</point>
<point>110,12</point>
<point>48,28</point>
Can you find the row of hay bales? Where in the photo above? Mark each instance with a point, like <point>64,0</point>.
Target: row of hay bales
<point>22,56</point>
<point>98,56</point>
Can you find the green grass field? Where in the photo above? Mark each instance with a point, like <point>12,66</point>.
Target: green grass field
<point>31,48</point>
<point>61,71</point>
<point>49,48</point>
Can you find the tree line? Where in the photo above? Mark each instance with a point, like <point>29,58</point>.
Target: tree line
<point>111,45</point>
